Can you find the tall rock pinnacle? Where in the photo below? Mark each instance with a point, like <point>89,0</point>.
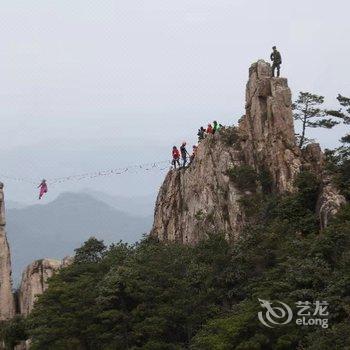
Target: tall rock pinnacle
<point>7,306</point>
<point>267,127</point>
<point>202,198</point>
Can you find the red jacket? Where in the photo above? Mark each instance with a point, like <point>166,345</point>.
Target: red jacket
<point>176,153</point>
<point>210,129</point>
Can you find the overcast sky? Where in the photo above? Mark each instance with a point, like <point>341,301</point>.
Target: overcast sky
<point>89,85</point>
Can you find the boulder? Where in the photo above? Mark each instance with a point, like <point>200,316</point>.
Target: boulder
<point>34,281</point>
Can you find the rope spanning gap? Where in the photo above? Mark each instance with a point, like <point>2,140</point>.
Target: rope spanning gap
<point>19,179</point>
<point>133,169</point>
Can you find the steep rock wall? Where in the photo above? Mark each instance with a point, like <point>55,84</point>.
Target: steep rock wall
<point>195,200</point>
<point>7,306</point>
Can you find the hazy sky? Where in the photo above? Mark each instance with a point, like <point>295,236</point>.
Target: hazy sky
<point>89,85</point>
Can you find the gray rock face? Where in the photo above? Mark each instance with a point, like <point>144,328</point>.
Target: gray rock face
<point>7,306</point>
<point>201,199</point>
<point>34,281</point>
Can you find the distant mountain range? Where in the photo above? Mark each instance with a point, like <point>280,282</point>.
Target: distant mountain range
<point>55,229</point>
<point>138,205</point>
<point>14,205</point>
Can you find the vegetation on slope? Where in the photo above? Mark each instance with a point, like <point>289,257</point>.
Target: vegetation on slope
<point>170,296</point>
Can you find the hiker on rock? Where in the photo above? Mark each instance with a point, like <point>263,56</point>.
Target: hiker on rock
<point>201,134</point>
<point>216,126</point>
<point>43,188</point>
<point>184,154</point>
<point>209,129</point>
<point>193,155</point>
<point>176,157</point>
<point>276,61</point>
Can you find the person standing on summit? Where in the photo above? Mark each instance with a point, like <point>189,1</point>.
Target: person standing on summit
<point>276,61</point>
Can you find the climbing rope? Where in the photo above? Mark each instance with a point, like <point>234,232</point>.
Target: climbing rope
<point>19,179</point>
<point>132,169</point>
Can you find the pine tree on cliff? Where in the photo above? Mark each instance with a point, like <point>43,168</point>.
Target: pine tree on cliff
<point>307,109</point>
<point>344,115</point>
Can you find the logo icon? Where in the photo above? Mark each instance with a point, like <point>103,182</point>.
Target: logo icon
<point>274,315</point>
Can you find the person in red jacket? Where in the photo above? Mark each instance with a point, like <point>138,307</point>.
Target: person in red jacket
<point>176,157</point>
<point>209,129</point>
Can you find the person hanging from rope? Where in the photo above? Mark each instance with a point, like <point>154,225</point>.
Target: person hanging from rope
<point>176,157</point>
<point>193,155</point>
<point>184,154</point>
<point>209,129</point>
<point>201,134</point>
<point>43,188</point>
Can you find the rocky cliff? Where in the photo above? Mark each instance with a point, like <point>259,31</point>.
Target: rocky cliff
<point>201,198</point>
<point>7,307</point>
<point>34,281</point>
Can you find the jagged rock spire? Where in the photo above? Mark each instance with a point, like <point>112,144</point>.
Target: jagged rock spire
<point>268,127</point>
<point>201,199</point>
